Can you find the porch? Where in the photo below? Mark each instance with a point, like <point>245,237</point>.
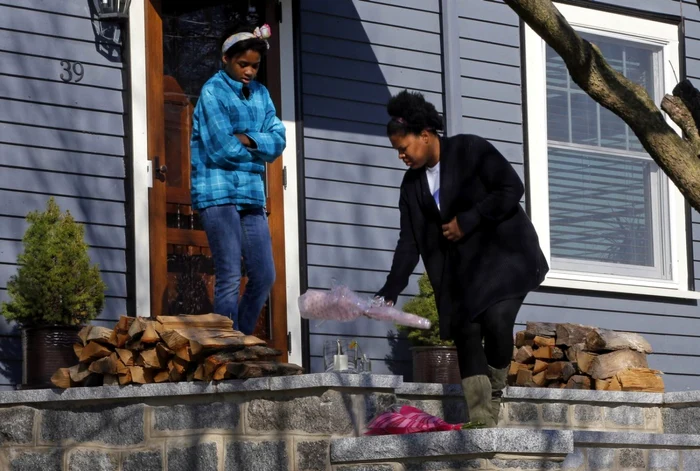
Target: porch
<point>316,421</point>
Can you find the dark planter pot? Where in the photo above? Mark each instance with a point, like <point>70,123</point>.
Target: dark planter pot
<point>45,349</point>
<point>435,365</point>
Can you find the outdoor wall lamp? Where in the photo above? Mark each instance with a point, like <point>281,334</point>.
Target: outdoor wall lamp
<point>112,10</point>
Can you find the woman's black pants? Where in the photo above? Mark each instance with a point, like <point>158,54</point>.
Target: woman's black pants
<point>487,340</point>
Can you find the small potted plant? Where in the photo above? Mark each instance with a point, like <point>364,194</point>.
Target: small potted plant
<point>54,293</point>
<point>434,359</point>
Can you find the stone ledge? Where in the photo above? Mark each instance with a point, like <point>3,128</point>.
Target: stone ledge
<point>131,392</point>
<point>682,398</point>
<point>429,389</point>
<point>337,380</point>
<point>464,444</point>
<point>144,391</point>
<point>586,396</point>
<point>635,440</point>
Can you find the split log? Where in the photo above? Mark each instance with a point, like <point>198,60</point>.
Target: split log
<point>161,377</point>
<point>607,365</point>
<point>127,356</point>
<point>137,327</point>
<point>584,361</point>
<point>83,334</point>
<point>114,338</point>
<point>124,324</point>
<point>150,335</point>
<point>184,353</point>
<point>524,338</point>
<point>641,380</point>
<point>543,329</point>
<point>207,321</point>
<point>94,351</point>
<point>560,371</point>
<point>544,341</point>
<point>257,370</point>
<point>174,340</point>
<point>105,366</point>
<point>149,358</point>
<point>178,365</point>
<point>614,385</point>
<point>579,382</point>
<point>549,353</point>
<point>206,340</point>
<point>199,374</point>
<point>122,339</point>
<point>78,349</point>
<point>61,378</point>
<point>79,372</point>
<point>125,378</point>
<point>100,334</point>
<point>164,352</point>
<point>524,378</point>
<point>607,340</point>
<point>573,352</point>
<point>175,376</point>
<point>122,369</point>
<point>569,335</point>
<point>514,368</point>
<point>540,366</point>
<point>525,355</point>
<point>540,379</point>
<point>140,375</point>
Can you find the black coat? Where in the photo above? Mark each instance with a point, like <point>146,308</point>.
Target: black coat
<point>498,258</point>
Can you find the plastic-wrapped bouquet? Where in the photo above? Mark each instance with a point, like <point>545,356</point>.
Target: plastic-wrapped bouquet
<point>341,303</point>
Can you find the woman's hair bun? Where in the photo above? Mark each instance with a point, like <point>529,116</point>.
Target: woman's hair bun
<point>411,113</point>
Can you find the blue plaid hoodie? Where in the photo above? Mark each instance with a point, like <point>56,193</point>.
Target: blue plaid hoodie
<point>224,171</point>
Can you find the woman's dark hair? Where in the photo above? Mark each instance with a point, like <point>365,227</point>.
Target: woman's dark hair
<point>411,114</point>
<point>255,44</point>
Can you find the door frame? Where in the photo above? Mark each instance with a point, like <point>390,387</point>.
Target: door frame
<point>142,177</point>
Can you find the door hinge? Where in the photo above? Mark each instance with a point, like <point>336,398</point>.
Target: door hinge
<point>289,343</point>
<point>284,177</point>
<point>279,12</point>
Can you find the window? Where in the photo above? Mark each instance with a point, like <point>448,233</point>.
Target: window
<point>608,218</point>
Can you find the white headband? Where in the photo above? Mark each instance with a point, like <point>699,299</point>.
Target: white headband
<point>263,32</point>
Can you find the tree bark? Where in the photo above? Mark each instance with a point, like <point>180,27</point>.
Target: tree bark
<point>677,157</point>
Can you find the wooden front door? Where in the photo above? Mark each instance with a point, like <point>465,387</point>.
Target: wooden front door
<point>182,43</point>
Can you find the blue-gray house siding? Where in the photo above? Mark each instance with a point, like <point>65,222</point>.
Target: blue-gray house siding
<point>60,139</point>
<point>354,55</point>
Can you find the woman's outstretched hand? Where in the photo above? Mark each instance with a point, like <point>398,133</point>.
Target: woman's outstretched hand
<point>452,231</point>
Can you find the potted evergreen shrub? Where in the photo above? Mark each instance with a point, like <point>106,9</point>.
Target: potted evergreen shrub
<point>434,359</point>
<point>54,293</point>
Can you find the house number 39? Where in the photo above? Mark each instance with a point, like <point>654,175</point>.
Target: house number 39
<point>72,71</point>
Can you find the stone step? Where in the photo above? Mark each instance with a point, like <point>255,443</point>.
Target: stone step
<point>517,449</point>
<point>472,449</point>
<point>542,408</point>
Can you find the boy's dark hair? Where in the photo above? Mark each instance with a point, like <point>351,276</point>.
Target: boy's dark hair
<point>255,44</point>
<point>411,114</point>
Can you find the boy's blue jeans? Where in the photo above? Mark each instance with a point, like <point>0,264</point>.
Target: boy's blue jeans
<point>234,234</point>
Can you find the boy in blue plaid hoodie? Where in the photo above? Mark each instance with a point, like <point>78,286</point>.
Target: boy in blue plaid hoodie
<point>235,133</point>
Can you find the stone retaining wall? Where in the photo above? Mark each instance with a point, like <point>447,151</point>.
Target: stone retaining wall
<point>291,424</point>
<point>258,425</point>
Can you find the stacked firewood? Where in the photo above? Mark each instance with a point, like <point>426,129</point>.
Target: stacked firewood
<point>169,349</point>
<point>575,356</point>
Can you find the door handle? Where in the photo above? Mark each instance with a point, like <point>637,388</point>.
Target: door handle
<point>161,170</point>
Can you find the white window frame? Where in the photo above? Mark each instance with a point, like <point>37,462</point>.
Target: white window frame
<point>628,28</point>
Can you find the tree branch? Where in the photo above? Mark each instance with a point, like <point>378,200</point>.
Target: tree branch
<point>615,92</point>
<point>681,115</point>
